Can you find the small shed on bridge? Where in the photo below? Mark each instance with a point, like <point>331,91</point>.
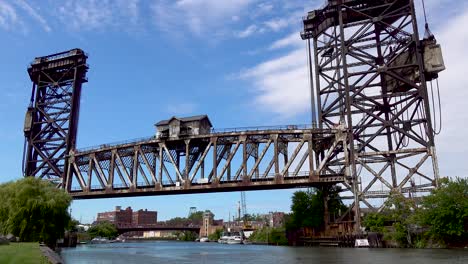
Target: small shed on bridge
<point>176,127</point>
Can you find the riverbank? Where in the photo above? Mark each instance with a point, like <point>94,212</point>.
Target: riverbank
<point>24,253</point>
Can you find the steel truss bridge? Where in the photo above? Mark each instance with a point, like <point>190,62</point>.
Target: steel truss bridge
<point>369,98</point>
<point>224,161</point>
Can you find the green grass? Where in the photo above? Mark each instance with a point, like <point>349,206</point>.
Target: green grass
<point>24,253</point>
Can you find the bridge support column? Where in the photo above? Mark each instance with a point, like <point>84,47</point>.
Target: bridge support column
<point>187,181</point>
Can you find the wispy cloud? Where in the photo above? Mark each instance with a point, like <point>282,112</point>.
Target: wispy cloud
<point>93,14</point>
<point>293,40</point>
<point>200,17</point>
<point>250,30</point>
<point>8,16</point>
<point>34,14</point>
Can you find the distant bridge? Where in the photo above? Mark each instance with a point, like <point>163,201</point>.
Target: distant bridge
<point>121,229</point>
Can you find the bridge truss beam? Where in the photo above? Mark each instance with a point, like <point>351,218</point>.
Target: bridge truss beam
<point>232,161</point>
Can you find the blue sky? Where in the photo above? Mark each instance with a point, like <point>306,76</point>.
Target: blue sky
<point>241,62</point>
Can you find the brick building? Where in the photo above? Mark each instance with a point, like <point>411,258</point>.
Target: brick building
<point>128,217</point>
<point>117,217</point>
<point>209,225</point>
<point>276,219</point>
<point>144,217</point>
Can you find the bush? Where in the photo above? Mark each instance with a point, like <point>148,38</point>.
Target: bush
<point>275,236</point>
<point>103,229</point>
<point>216,235</point>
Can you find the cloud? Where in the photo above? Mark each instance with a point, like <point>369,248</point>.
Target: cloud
<point>293,40</point>
<point>247,32</point>
<point>200,17</point>
<point>279,84</point>
<point>34,14</point>
<point>93,14</point>
<point>8,16</point>
<point>277,24</point>
<point>262,9</point>
<point>451,142</point>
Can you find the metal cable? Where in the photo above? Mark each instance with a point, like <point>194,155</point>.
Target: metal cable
<point>428,33</point>
<point>24,157</point>
<point>433,118</point>
<point>440,109</point>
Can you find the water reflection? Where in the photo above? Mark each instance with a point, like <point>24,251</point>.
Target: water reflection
<point>188,252</point>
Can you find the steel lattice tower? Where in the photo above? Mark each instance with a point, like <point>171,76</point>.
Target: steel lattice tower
<point>370,76</point>
<point>52,118</point>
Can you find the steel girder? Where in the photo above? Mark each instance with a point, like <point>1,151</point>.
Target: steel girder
<point>365,79</point>
<point>52,119</point>
<point>249,160</point>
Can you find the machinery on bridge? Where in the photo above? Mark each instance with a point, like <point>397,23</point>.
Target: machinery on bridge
<point>371,119</point>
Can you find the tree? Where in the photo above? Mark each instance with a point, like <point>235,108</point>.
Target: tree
<point>196,218</point>
<point>275,236</point>
<point>400,210</point>
<point>186,235</point>
<point>375,222</point>
<point>307,209</point>
<point>216,235</point>
<point>103,229</point>
<point>34,210</point>
<point>445,211</point>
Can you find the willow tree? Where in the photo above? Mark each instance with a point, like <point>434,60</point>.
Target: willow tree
<point>33,210</point>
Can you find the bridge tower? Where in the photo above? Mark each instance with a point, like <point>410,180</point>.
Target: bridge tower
<point>369,72</point>
<point>51,121</point>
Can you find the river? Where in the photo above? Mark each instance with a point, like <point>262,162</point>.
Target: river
<point>192,252</point>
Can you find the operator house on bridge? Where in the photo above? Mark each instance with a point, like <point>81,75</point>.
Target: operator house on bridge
<point>185,126</point>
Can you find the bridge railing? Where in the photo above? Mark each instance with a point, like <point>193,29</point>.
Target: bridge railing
<point>213,131</point>
<point>262,128</point>
<point>116,143</point>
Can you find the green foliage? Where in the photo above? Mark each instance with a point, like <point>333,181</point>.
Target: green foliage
<point>73,225</point>
<point>275,236</point>
<point>335,204</point>
<point>307,209</point>
<point>103,229</point>
<point>216,235</point>
<point>375,222</point>
<point>196,217</point>
<point>445,211</point>
<point>441,217</point>
<point>186,235</point>
<point>400,210</point>
<point>34,210</point>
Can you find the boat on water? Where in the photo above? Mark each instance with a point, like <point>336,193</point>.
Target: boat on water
<point>99,240</point>
<point>230,238</point>
<point>204,239</point>
<point>234,240</point>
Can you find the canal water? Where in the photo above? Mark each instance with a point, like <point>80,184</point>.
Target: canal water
<point>192,252</point>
